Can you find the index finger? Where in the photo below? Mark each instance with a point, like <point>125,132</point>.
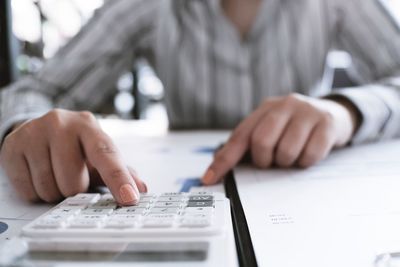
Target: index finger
<point>104,157</point>
<point>231,153</point>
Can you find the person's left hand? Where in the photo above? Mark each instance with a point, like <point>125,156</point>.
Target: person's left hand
<point>294,130</point>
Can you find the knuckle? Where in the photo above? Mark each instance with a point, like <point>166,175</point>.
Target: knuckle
<point>261,161</point>
<point>223,159</point>
<point>42,182</point>
<point>239,136</point>
<point>258,138</point>
<point>87,116</point>
<point>255,140</point>
<point>236,137</point>
<point>291,99</point>
<point>79,185</point>
<point>326,137</point>
<point>273,118</point>
<point>261,150</point>
<point>44,175</point>
<point>104,146</point>
<point>308,108</point>
<point>132,171</point>
<point>286,157</point>
<point>30,197</point>
<point>55,115</point>
<point>265,145</point>
<point>259,143</point>
<point>29,129</point>
<point>309,159</point>
<point>117,174</point>
<point>72,190</point>
<point>327,119</point>
<point>23,188</point>
<point>56,119</point>
<point>51,197</point>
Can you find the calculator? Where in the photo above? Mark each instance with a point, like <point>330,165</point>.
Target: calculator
<point>159,222</point>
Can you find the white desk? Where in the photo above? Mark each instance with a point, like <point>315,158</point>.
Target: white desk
<point>162,159</point>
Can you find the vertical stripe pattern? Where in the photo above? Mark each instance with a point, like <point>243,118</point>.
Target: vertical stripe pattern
<point>213,77</point>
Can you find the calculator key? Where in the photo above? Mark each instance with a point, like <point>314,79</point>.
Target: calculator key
<point>158,220</point>
<point>173,210</point>
<point>156,223</point>
<point>73,205</point>
<point>172,194</point>
<point>197,216</point>
<point>198,210</point>
<point>161,204</point>
<point>201,198</point>
<point>207,203</point>
<point>120,223</point>
<point>51,221</point>
<point>142,205</point>
<point>128,217</point>
<point>90,211</point>
<point>104,205</point>
<point>57,217</point>
<point>91,217</point>
<point>65,211</point>
<point>49,224</point>
<point>161,216</point>
<point>107,198</point>
<point>148,195</point>
<point>195,222</point>
<point>130,210</point>
<point>146,199</point>
<point>201,193</point>
<point>83,198</point>
<point>84,223</point>
<point>170,199</point>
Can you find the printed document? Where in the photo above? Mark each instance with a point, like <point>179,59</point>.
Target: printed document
<point>342,212</point>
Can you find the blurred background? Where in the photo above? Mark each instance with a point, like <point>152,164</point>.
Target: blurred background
<point>33,30</point>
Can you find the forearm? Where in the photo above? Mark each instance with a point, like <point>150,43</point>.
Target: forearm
<point>81,75</point>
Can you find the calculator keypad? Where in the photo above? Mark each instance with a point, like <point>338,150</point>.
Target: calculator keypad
<point>94,211</point>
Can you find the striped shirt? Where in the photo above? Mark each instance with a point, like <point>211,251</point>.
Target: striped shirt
<point>212,76</point>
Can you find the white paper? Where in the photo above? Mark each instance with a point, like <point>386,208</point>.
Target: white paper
<point>342,212</point>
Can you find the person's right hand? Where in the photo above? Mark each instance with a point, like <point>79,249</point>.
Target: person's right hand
<point>51,157</point>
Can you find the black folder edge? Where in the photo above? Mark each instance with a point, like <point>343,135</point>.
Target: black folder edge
<point>244,246</point>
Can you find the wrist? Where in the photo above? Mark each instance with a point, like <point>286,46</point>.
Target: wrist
<point>347,119</point>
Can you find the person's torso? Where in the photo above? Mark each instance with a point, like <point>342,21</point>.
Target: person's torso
<point>213,78</point>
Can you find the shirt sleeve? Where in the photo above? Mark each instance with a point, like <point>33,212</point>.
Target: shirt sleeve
<point>82,73</point>
<point>372,38</point>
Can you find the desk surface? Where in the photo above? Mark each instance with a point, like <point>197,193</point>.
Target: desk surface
<point>165,160</point>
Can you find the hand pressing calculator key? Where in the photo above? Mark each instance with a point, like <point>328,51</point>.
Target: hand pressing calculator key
<point>164,222</point>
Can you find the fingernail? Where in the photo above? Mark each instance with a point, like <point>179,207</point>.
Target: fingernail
<point>209,177</point>
<point>145,187</point>
<point>128,194</point>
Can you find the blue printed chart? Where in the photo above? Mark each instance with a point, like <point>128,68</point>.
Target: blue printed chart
<point>3,227</point>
